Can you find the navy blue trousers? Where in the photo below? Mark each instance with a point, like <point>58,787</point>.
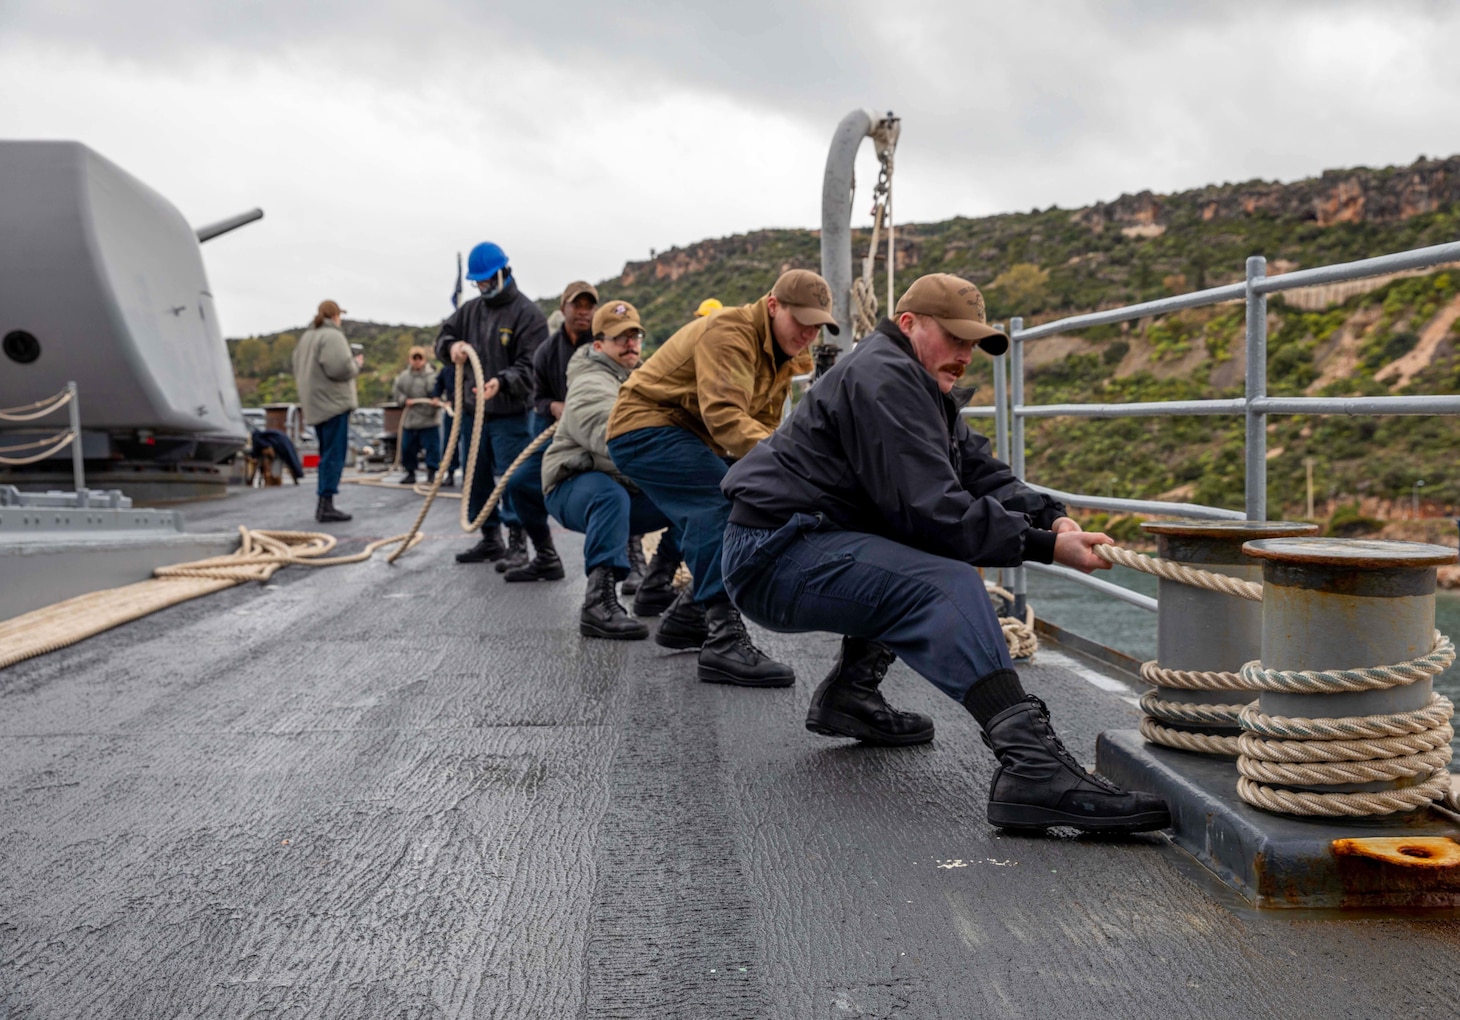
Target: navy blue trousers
<point>682,476</point>
<point>525,486</point>
<point>413,441</point>
<point>455,461</point>
<point>607,514</point>
<point>334,446</point>
<point>808,575</point>
<point>502,440</point>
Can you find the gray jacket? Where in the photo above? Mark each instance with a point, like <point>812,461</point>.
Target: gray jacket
<point>581,442</point>
<point>324,372</point>
<point>414,385</point>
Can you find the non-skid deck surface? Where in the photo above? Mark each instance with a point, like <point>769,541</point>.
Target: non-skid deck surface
<point>414,791</point>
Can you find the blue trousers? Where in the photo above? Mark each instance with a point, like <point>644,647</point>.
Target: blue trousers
<point>502,440</point>
<point>334,446</point>
<point>455,461</point>
<point>682,476</point>
<point>525,486</point>
<point>808,575</point>
<point>413,441</point>
<point>607,514</point>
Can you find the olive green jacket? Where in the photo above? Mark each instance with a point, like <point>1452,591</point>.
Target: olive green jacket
<point>412,385</point>
<point>581,441</point>
<point>324,372</point>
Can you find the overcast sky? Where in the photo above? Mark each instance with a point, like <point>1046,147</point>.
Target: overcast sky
<point>383,136</point>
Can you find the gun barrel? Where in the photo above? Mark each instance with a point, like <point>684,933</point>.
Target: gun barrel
<point>212,230</point>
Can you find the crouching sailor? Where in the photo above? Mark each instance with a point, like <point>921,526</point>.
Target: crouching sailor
<point>714,390</point>
<point>866,514</point>
<point>584,491</point>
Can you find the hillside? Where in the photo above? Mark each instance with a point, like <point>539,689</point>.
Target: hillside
<point>1397,337</point>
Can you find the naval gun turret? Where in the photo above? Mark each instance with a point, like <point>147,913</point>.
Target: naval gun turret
<point>102,282</point>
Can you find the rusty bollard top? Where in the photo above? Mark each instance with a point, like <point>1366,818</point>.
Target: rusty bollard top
<point>1363,567</point>
<point>1217,542</point>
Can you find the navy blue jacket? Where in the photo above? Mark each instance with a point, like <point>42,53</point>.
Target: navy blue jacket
<point>550,370</point>
<point>505,332</point>
<point>878,448</point>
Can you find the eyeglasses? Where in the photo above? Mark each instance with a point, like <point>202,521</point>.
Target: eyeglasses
<point>636,335</point>
<point>418,357</point>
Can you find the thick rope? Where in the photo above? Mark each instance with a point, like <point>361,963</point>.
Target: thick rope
<point>29,412</point>
<point>1173,571</point>
<point>1276,751</point>
<point>1190,713</point>
<point>1335,681</point>
<point>470,467</point>
<point>1187,740</point>
<point>61,440</point>
<point>1018,634</point>
<point>259,556</point>
<point>1191,679</point>
<point>1335,805</point>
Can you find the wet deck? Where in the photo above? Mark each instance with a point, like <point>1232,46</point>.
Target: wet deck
<point>414,791</point>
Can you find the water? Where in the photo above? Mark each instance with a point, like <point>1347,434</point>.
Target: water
<point>1133,631</point>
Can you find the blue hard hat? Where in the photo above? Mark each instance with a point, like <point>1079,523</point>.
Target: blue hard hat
<point>484,261</point>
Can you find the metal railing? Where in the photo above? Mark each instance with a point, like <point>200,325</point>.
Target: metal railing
<point>1255,404</point>
<point>1011,410</point>
<point>50,446</point>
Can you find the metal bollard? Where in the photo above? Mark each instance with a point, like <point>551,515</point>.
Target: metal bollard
<point>1208,631</point>
<point>1346,604</point>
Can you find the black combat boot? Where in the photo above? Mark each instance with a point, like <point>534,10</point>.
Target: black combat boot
<point>545,566</point>
<point>657,592</point>
<point>684,626</point>
<point>1039,784</point>
<point>449,482</point>
<point>602,616</point>
<point>637,570</point>
<point>516,549</point>
<point>326,513</point>
<point>488,549</point>
<point>430,475</point>
<point>848,703</point>
<point>730,657</point>
<point>408,479</point>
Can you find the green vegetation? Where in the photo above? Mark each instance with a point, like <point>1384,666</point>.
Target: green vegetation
<point>1049,263</point>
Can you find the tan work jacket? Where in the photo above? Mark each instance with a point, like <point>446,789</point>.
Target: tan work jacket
<point>717,378</point>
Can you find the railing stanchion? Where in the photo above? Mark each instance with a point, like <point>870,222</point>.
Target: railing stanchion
<point>1256,387</point>
<point>1016,439</point>
<point>78,466</point>
<point>1001,424</point>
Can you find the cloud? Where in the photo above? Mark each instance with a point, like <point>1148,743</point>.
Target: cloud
<point>382,137</point>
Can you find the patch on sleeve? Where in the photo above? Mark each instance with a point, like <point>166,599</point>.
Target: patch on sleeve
<point>504,335</point>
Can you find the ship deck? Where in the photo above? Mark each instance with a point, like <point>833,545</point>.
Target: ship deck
<point>414,791</point>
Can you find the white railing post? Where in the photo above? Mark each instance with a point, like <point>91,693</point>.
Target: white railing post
<point>78,466</point>
<point>1016,439</point>
<point>1256,388</point>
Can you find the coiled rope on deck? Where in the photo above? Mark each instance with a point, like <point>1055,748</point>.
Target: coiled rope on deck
<point>259,556</point>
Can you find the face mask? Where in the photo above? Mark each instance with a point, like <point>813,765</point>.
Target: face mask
<point>491,288</point>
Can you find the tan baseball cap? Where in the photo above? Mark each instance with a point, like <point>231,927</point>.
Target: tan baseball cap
<point>808,297</point>
<point>614,318</point>
<point>957,306</point>
<point>329,309</point>
<point>572,290</point>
